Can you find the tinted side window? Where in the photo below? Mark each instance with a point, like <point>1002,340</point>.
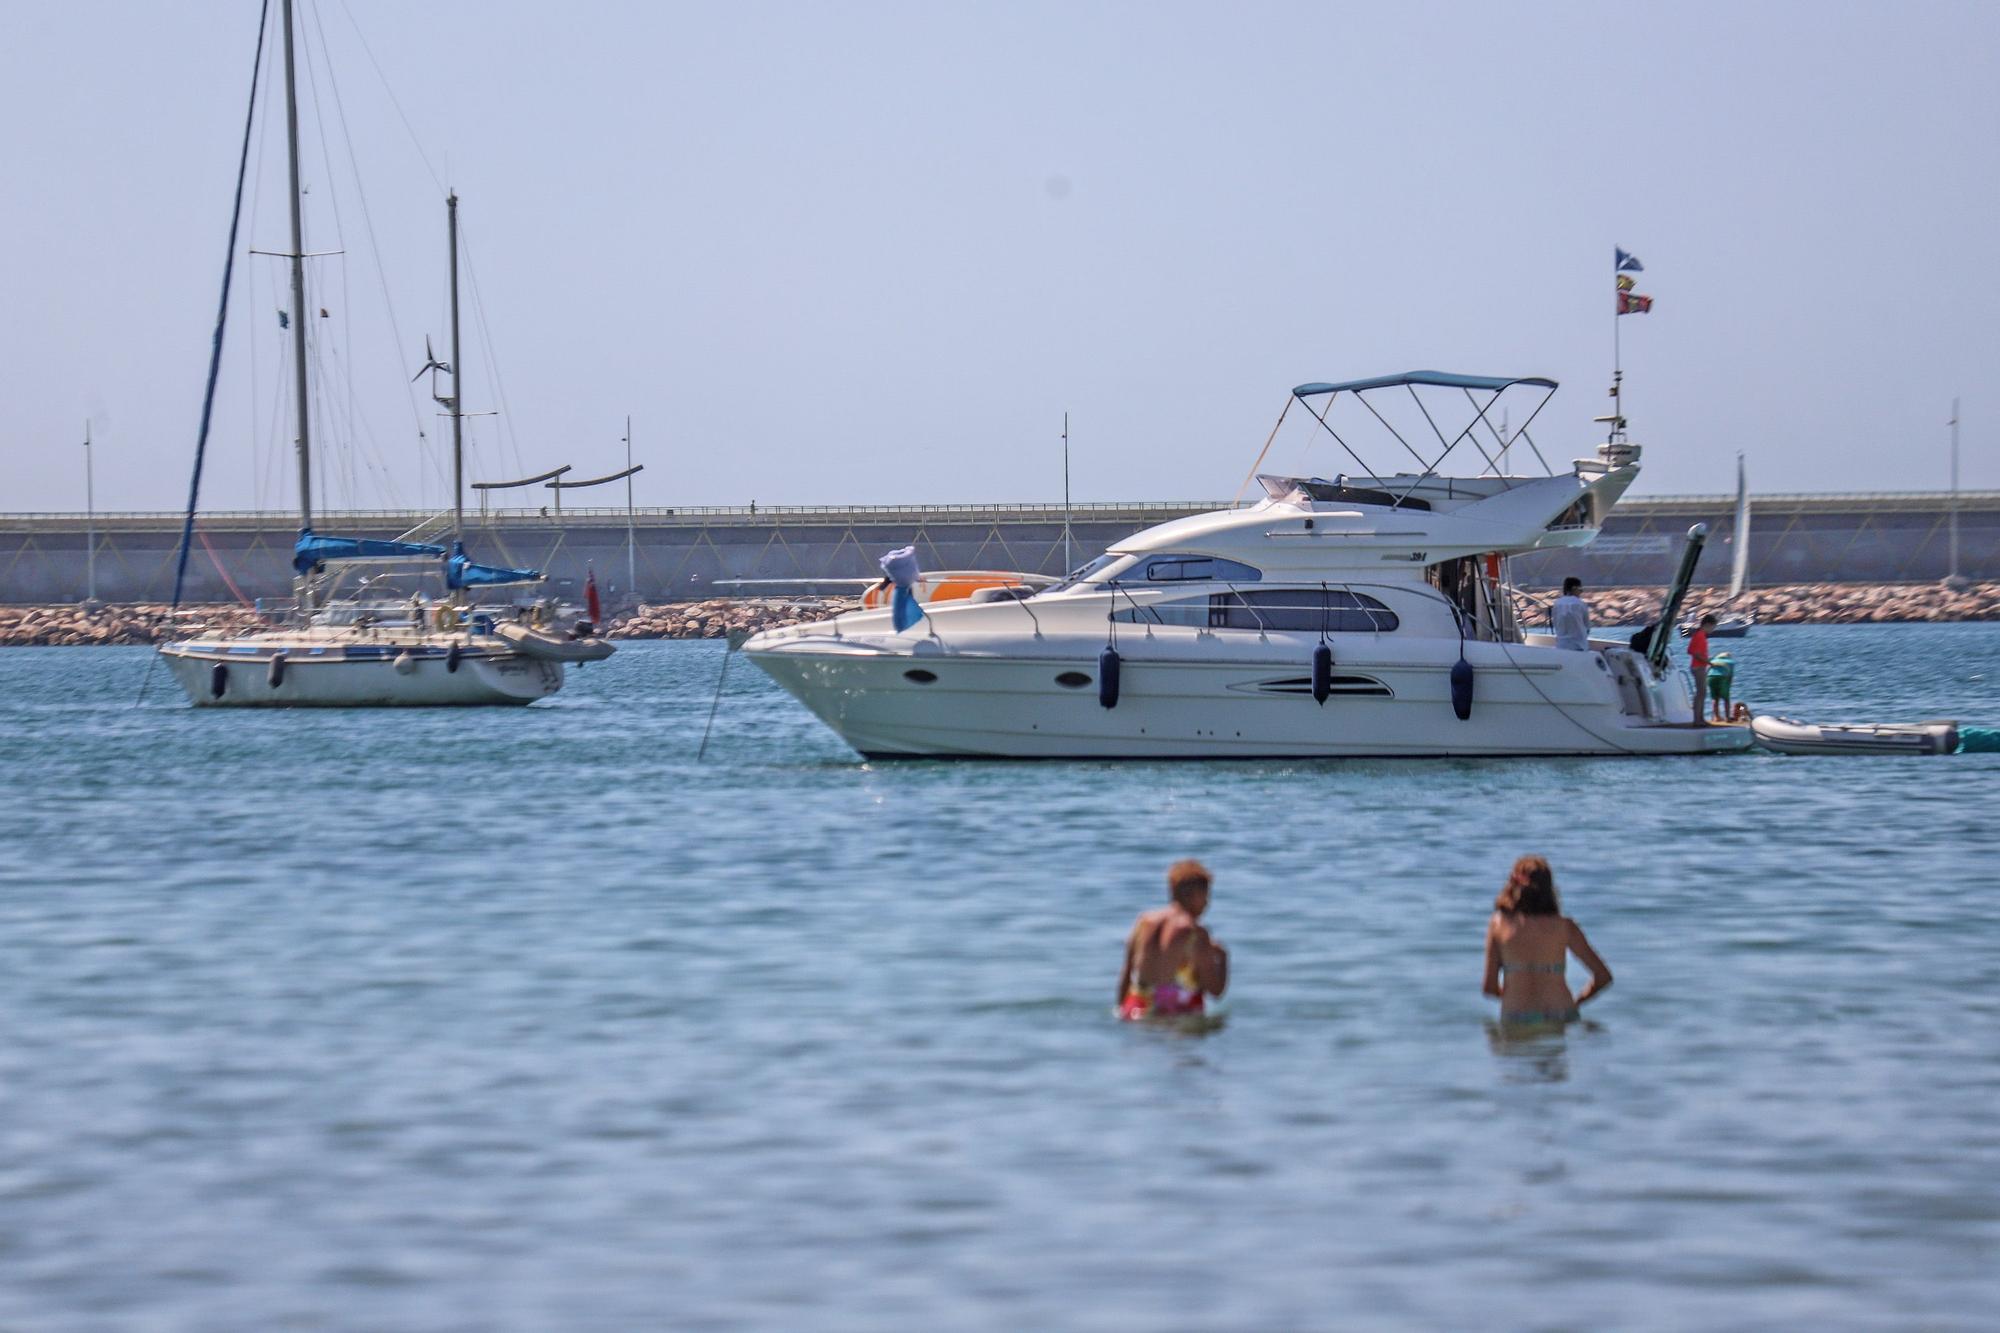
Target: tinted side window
<point>1189,568</point>
<point>1191,612</point>
<point>1309,610</point>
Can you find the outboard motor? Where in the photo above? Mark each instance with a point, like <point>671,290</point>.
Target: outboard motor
<point>274,675</point>
<point>1322,673</point>
<point>1461,687</point>
<point>1107,677</point>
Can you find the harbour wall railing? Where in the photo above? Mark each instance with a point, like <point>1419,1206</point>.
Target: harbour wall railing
<point>697,551</point>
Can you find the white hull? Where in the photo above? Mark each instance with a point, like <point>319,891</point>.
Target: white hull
<point>1527,701</point>
<point>319,674</point>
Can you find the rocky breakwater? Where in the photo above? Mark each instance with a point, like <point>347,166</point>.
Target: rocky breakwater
<point>1792,603</point>
<point>75,625</point>
<point>715,618</point>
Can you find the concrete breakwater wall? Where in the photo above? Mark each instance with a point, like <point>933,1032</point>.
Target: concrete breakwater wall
<point>713,618</point>
<point>693,553</point>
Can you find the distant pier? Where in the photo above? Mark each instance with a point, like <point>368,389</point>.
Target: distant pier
<point>688,553</point>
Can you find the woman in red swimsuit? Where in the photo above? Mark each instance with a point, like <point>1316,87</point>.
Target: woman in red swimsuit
<point>1172,963</point>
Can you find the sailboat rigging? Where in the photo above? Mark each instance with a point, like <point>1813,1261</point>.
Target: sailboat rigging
<point>379,640</point>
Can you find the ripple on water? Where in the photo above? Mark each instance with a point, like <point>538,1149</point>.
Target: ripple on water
<point>784,1037</point>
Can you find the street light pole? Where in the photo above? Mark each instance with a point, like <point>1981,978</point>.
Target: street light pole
<point>1067,564</point>
<point>90,508</point>
<point>1951,577</point>
<point>631,529</point>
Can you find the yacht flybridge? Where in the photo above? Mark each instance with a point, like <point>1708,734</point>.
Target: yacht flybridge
<point>1369,614</point>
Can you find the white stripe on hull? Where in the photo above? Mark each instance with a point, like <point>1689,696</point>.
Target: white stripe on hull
<point>481,679</point>
<point>1015,709</point>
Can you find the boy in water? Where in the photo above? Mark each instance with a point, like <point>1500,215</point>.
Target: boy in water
<point>1721,676</point>
<point>1171,961</point>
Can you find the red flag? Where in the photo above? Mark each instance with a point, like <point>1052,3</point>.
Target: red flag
<point>590,602</point>
<point>1631,303</point>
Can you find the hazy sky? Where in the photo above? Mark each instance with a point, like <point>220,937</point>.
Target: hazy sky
<point>869,252</point>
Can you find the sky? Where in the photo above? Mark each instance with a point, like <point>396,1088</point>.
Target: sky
<point>872,253</point>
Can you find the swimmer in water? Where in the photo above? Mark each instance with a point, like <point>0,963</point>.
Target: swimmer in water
<point>1528,943</point>
<point>1171,962</point>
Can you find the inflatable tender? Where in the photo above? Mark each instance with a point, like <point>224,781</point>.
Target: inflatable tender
<point>546,647</point>
<point>1790,736</point>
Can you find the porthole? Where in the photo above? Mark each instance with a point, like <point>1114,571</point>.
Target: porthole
<point>1072,680</point>
<point>920,676</point>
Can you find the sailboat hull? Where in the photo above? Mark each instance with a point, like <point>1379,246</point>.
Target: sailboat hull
<point>231,674</point>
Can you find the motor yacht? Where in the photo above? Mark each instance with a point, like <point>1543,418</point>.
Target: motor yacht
<point>1366,615</point>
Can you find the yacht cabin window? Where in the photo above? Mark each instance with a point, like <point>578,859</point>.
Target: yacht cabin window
<point>1293,610</point>
<point>1188,569</point>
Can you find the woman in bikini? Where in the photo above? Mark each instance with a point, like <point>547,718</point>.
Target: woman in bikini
<point>1171,961</point>
<point>1528,941</point>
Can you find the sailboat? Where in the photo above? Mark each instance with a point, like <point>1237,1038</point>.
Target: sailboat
<point>1735,626</point>
<point>364,632</point>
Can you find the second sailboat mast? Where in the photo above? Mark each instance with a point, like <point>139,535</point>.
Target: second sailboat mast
<point>457,383</point>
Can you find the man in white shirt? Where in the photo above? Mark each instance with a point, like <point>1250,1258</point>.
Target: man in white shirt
<point>1570,618</point>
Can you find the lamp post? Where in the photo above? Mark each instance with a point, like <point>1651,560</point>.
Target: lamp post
<point>1067,565</point>
<point>1953,579</point>
<point>90,519</point>
<point>631,529</point>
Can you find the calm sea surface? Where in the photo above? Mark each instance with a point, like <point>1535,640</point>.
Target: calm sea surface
<point>525,1020</point>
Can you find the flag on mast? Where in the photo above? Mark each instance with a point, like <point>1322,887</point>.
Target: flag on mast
<point>1631,303</point>
<point>1625,262</point>
<point>591,605</point>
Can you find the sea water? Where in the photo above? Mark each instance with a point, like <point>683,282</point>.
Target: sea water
<point>526,1019</point>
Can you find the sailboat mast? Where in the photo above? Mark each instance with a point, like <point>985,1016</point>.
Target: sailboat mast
<point>457,383</point>
<point>298,257</point>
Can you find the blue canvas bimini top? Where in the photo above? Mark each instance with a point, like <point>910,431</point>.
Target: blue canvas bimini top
<point>1433,378</point>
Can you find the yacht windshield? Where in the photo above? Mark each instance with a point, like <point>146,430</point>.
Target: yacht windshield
<point>1090,572</point>
<point>1189,569</point>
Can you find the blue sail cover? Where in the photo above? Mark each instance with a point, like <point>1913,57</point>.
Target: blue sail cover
<point>460,572</point>
<point>313,550</point>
